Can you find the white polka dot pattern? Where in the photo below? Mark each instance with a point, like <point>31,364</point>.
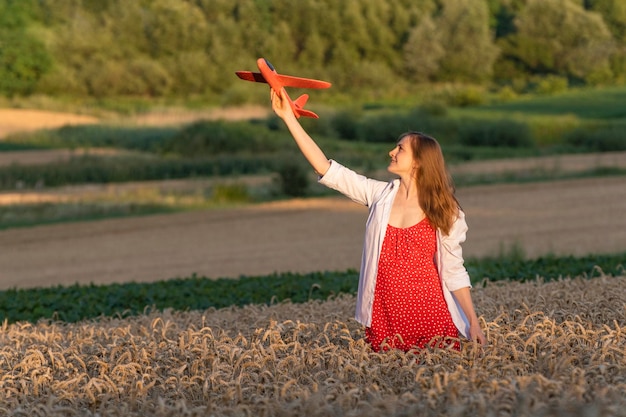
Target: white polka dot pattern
<point>409,309</point>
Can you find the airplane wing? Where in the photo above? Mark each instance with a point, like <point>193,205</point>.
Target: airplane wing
<point>278,82</point>
<point>251,76</point>
<point>289,81</point>
<point>285,80</point>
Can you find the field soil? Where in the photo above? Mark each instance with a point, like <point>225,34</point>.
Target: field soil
<point>24,120</point>
<point>560,217</point>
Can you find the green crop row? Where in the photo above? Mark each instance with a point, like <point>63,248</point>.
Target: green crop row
<point>498,127</point>
<point>98,169</point>
<point>204,138</point>
<point>26,215</point>
<point>359,137</point>
<point>79,302</point>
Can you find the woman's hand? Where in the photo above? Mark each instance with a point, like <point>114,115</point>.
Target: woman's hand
<point>465,300</point>
<point>281,106</point>
<point>307,145</point>
<point>476,334</point>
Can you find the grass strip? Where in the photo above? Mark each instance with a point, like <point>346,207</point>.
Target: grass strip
<point>28,215</point>
<point>79,302</point>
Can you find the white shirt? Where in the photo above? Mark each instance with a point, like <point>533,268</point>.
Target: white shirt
<point>378,196</point>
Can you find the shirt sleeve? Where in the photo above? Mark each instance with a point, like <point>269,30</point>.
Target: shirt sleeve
<point>357,187</point>
<point>454,273</point>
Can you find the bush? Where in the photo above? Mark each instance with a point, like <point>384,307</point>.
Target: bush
<point>346,124</point>
<point>434,108</point>
<point>507,93</point>
<point>209,138</point>
<point>293,179</point>
<point>462,96</point>
<point>384,128</point>
<point>501,133</point>
<point>230,193</point>
<point>432,120</point>
<point>91,169</point>
<point>551,84</point>
<point>605,139</point>
<point>147,139</point>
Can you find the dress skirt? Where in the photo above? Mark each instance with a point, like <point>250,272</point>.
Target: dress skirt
<point>409,309</point>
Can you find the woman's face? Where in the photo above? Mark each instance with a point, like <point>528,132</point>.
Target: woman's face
<point>402,158</point>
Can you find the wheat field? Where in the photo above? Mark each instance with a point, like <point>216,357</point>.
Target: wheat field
<point>555,349</point>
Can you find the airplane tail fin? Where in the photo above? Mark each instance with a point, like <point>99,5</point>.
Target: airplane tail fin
<point>299,107</point>
<point>301,101</point>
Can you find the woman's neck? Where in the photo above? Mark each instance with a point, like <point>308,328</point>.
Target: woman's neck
<point>408,188</point>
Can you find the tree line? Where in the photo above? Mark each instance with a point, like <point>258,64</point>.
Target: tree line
<point>191,48</point>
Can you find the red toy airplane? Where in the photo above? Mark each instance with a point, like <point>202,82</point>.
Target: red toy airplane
<point>278,82</point>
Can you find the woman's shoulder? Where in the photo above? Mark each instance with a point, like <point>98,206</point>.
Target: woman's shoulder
<point>458,229</point>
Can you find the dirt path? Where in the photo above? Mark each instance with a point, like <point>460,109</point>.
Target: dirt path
<point>564,217</point>
<point>22,120</point>
<point>25,120</point>
<point>553,164</point>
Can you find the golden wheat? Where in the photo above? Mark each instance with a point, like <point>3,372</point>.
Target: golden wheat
<point>556,349</point>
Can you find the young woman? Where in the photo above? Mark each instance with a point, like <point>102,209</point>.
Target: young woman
<point>414,290</point>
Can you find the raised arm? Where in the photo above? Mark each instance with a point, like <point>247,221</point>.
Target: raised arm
<point>307,145</point>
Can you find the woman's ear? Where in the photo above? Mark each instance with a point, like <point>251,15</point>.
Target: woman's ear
<point>414,170</point>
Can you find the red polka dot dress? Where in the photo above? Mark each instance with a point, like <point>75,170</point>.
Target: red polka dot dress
<point>409,309</point>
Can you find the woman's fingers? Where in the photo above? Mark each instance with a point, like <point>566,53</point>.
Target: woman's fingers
<point>278,104</point>
<point>273,98</point>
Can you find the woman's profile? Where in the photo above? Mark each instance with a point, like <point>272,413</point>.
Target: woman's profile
<point>414,290</point>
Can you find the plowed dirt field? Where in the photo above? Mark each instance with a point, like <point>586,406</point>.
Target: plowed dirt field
<point>563,217</point>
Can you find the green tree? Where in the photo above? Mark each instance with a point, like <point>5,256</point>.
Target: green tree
<point>303,18</point>
<point>281,45</point>
<point>156,81</point>
<point>502,13</point>
<point>423,51</point>
<point>470,51</point>
<point>82,47</point>
<point>404,15</point>
<point>313,53</point>
<point>253,20</point>
<point>560,37</point>
<point>366,48</point>
<point>354,30</point>
<point>382,41</point>
<point>344,60</point>
<point>174,26</point>
<point>24,59</point>
<point>127,22</point>
<point>614,14</point>
<point>225,36</point>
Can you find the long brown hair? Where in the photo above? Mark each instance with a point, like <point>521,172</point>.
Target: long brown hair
<point>434,183</point>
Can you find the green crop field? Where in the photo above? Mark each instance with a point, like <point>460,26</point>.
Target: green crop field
<point>600,104</point>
